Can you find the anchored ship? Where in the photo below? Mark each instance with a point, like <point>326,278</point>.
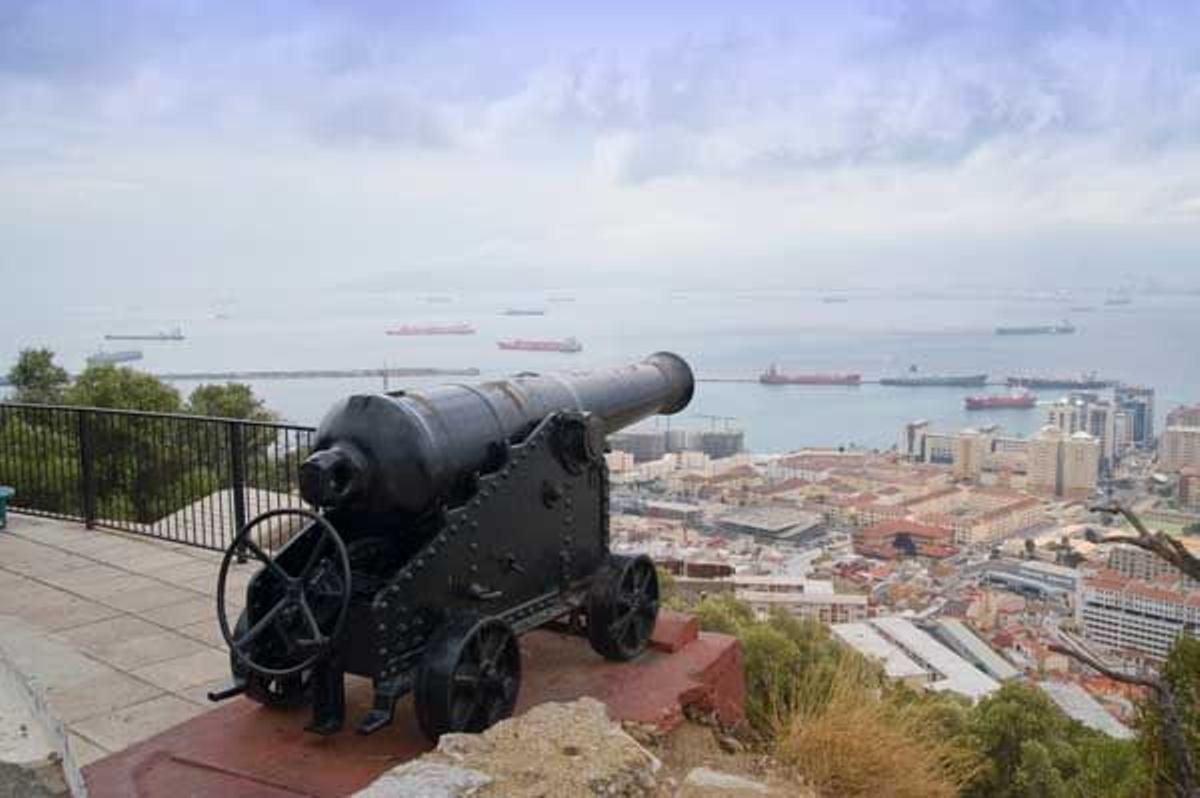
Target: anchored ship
<point>107,358</point>
<point>913,380</point>
<point>432,329</point>
<point>773,376</point>
<point>1084,382</point>
<point>1066,328</point>
<point>1016,401</point>
<point>172,335</point>
<point>521,345</point>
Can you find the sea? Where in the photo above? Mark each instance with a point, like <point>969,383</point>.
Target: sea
<point>733,335</point>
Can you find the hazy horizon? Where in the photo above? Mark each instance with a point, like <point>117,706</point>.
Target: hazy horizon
<point>151,150</point>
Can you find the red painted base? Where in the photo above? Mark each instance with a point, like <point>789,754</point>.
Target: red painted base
<point>243,749</point>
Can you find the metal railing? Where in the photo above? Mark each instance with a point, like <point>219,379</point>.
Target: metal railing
<point>188,479</point>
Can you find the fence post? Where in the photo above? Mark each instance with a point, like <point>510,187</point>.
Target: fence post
<point>87,469</point>
<point>237,463</point>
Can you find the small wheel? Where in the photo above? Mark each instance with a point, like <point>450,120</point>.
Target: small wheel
<point>469,677</point>
<point>623,607</point>
<point>283,692</point>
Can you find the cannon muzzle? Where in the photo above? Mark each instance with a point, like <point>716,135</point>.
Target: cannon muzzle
<point>402,452</point>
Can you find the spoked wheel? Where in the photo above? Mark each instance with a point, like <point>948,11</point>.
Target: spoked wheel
<point>469,677</point>
<point>623,607</point>
<point>296,605</point>
<point>272,691</point>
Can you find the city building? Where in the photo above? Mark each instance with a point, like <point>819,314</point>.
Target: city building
<point>651,444</point>
<point>891,540</point>
<point>898,666</point>
<point>1180,448</point>
<point>814,600</point>
<point>977,515</point>
<point>1184,416</point>
<point>970,451</point>
<point>1035,578</point>
<point>1044,455</point>
<point>1079,704</point>
<point>1133,562</point>
<point>1189,488</point>
<point>644,445</point>
<point>782,523</point>
<point>968,645</point>
<point>1064,464</point>
<point>949,671</point>
<point>1081,456</point>
<point>1086,412</point>
<point>1137,404</point>
<point>1136,615</point>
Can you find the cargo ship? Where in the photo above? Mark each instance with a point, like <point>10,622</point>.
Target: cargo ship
<point>937,381</point>
<point>1066,328</point>
<point>172,335</point>
<point>773,376</point>
<point>521,345</point>
<point>1084,382</point>
<point>524,312</point>
<point>109,358</point>
<point>1016,401</point>
<point>432,329</point>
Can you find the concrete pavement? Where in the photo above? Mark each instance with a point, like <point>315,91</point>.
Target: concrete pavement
<point>119,630</point>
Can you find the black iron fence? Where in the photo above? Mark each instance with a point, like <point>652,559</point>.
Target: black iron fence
<point>188,479</point>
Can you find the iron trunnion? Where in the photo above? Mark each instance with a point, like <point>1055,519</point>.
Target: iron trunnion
<point>451,521</point>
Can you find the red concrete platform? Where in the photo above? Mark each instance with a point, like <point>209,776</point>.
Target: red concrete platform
<point>243,749</point>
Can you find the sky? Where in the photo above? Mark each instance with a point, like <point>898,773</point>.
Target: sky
<point>209,148</point>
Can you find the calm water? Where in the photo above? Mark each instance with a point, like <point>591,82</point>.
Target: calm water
<point>1152,341</point>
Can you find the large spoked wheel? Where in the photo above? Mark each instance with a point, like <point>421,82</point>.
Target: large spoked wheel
<point>294,618</point>
<point>272,691</point>
<point>469,677</point>
<point>623,607</point>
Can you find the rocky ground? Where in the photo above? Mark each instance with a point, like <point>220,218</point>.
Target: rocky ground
<point>558,750</point>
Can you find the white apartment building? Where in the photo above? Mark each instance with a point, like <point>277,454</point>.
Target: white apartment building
<point>1131,614</point>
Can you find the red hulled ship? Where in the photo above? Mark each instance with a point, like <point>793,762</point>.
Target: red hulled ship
<point>1016,401</point>
<point>432,329</point>
<point>774,376</point>
<point>522,345</point>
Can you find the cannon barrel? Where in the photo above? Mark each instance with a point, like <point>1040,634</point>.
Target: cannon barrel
<point>401,452</point>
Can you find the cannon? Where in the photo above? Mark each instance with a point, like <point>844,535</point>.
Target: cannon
<point>443,525</point>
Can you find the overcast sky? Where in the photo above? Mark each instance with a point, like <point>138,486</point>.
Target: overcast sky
<point>217,147</point>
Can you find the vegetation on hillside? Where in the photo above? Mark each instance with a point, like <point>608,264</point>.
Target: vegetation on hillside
<point>833,717</point>
<point>144,467</point>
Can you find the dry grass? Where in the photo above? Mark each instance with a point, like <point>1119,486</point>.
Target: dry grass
<point>850,741</point>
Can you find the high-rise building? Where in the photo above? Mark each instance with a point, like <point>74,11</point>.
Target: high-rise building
<point>1186,416</point>
<point>1087,412</point>
<point>1080,466</point>
<point>1137,402</point>
<point>1180,448</point>
<point>1063,465</point>
<point>1043,461</point>
<point>970,451</point>
<point>1189,488</point>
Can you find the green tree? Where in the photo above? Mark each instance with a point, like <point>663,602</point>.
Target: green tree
<point>231,400</point>
<point>1036,776</point>
<point>1192,529</point>
<point>1034,750</point>
<point>37,378</point>
<point>1181,673</point>
<point>123,389</point>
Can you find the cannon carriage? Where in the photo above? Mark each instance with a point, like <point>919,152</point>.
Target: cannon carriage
<point>446,524</point>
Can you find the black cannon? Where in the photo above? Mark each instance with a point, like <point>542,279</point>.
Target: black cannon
<point>448,523</point>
